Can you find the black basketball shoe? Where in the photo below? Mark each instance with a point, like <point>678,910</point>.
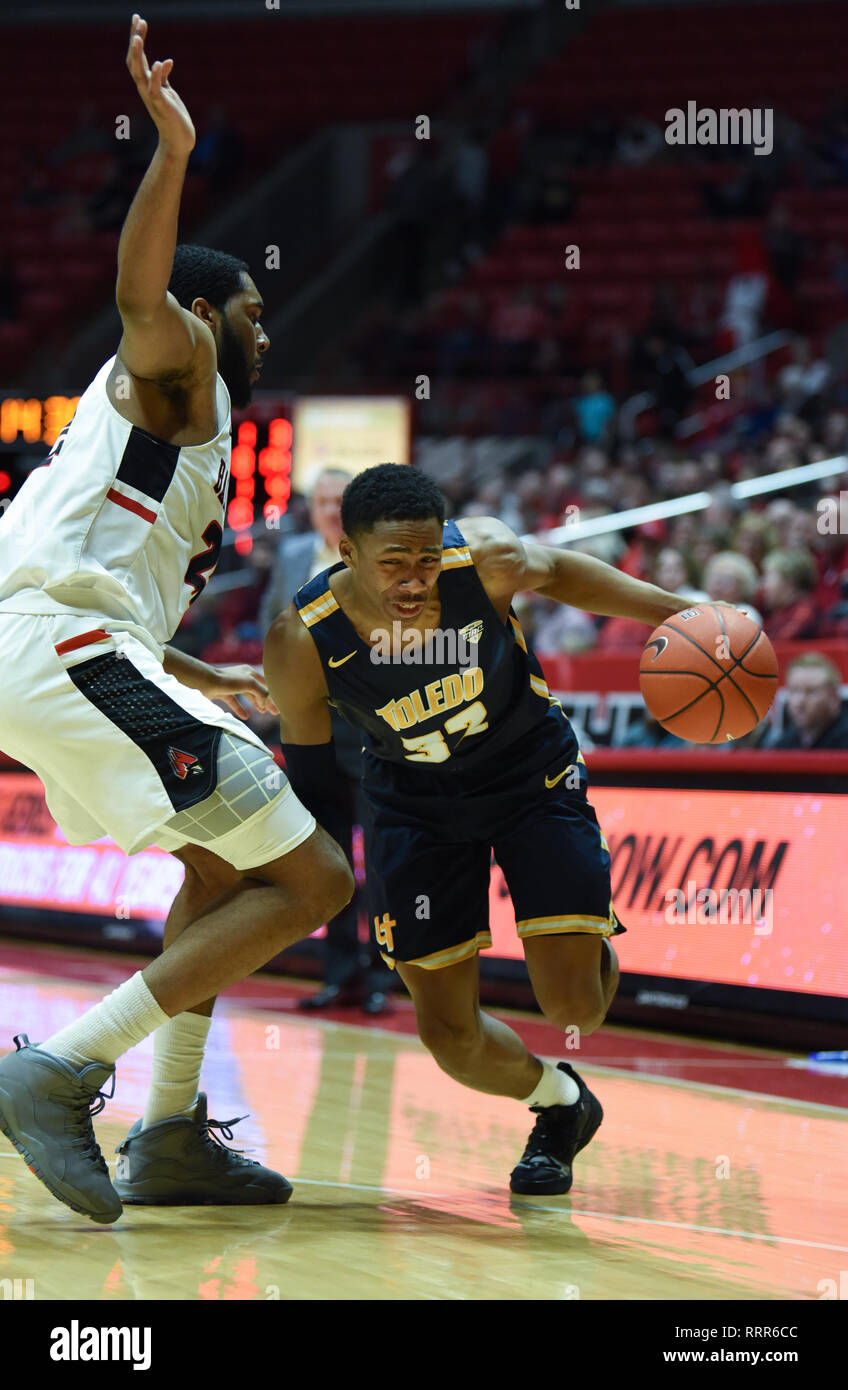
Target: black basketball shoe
<point>560,1132</point>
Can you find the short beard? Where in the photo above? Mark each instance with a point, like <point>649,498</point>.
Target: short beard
<point>233,368</point>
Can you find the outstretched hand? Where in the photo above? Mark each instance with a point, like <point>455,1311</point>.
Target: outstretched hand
<point>167,111</point>
<point>228,682</point>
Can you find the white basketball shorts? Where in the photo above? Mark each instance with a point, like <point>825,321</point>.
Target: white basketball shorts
<point>124,749</point>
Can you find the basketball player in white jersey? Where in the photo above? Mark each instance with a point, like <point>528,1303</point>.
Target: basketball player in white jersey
<point>101,553</point>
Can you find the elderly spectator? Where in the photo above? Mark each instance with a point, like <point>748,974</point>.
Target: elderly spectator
<point>754,537</point>
<point>816,717</point>
<point>731,578</point>
<point>674,572</point>
<point>789,577</point>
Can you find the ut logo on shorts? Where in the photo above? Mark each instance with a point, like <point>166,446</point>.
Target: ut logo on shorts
<point>385,935</point>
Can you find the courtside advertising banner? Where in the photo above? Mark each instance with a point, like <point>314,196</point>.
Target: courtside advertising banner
<point>742,888</point>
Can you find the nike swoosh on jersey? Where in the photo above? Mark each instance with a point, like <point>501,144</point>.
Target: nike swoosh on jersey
<point>552,781</point>
<point>340,662</point>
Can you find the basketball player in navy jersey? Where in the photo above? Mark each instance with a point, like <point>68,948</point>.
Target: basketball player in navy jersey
<point>101,553</point>
<point>466,752</point>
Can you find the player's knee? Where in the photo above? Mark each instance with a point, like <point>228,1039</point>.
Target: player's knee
<point>338,882</point>
<point>206,874</point>
<point>453,1043</point>
<point>325,881</point>
<point>584,1012</point>
<point>609,972</point>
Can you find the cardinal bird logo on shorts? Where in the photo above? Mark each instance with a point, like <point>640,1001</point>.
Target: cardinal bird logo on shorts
<point>183,763</point>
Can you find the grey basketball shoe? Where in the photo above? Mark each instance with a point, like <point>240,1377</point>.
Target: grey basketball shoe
<point>46,1107</point>
<point>180,1162</point>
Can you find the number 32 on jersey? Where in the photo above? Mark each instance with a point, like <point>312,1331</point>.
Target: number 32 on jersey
<point>434,748</point>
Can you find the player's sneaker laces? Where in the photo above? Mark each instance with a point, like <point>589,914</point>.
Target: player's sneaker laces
<point>46,1108</point>
<point>181,1162</point>
<point>559,1133</point>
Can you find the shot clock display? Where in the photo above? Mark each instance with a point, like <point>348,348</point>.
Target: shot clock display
<point>270,462</point>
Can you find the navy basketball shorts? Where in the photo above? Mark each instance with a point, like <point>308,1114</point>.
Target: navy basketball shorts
<point>428,846</point>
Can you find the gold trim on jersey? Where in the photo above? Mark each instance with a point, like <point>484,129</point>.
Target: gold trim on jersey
<point>455,556</point>
<point>540,687</point>
<point>454,954</point>
<point>519,635</point>
<point>319,608</point>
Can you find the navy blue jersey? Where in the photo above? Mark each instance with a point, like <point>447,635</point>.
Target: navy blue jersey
<point>473,706</point>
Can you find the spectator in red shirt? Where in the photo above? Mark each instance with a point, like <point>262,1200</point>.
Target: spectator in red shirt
<point>789,577</point>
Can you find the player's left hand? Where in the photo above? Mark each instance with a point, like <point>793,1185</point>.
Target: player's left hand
<point>228,682</point>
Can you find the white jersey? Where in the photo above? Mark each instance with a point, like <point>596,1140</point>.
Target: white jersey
<point>118,523</point>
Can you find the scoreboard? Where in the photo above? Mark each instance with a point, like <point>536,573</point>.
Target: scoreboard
<point>279,443</point>
<point>34,420</point>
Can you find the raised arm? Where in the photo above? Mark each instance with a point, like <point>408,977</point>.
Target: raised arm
<point>161,340</point>
<point>507,565</point>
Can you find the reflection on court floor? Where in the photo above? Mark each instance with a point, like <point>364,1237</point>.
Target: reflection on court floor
<point>401,1182</point>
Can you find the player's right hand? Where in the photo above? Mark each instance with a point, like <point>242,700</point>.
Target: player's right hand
<point>169,115</point>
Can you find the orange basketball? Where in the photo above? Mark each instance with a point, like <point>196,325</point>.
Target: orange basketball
<point>708,674</point>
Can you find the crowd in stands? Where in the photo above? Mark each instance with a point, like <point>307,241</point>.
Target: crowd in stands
<point>504,360</point>
<point>784,560</point>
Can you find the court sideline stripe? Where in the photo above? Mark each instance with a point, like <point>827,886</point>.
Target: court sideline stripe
<point>569,1211</point>
<point>577,1211</point>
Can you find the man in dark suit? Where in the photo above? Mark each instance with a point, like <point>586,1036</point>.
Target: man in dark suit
<point>816,717</point>
<point>353,973</point>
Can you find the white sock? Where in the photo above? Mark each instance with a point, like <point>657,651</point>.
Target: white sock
<point>113,1026</point>
<point>178,1048</point>
<point>555,1088</point>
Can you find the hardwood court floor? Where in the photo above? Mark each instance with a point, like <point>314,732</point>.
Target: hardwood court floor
<point>690,1189</point>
